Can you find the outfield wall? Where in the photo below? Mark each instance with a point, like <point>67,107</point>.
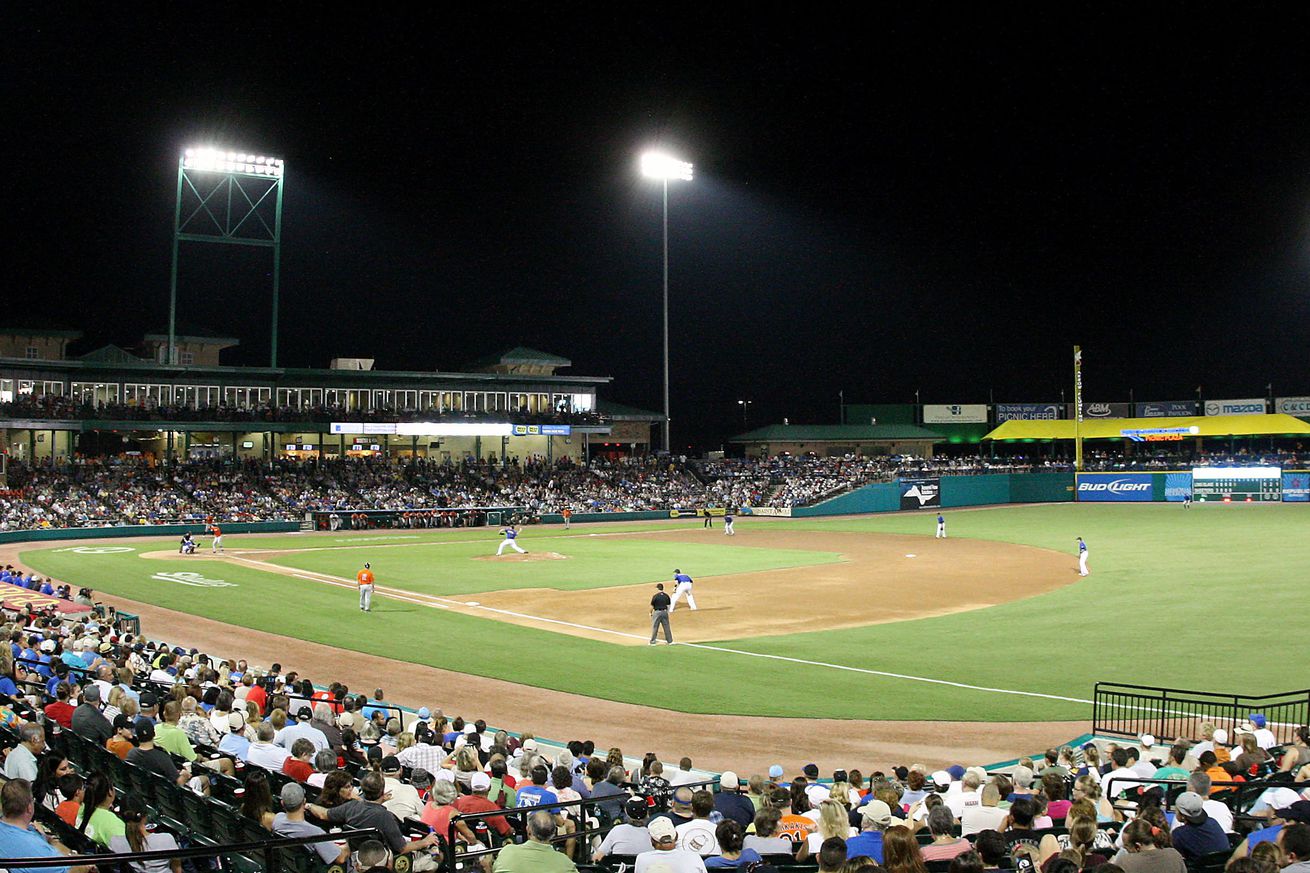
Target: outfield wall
<point>1174,486</point>
<point>143,530</point>
<point>953,491</point>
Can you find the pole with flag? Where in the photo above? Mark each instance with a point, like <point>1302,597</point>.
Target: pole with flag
<point>1078,408</point>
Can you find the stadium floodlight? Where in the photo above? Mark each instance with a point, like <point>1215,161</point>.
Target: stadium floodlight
<point>234,198</point>
<point>207,159</point>
<point>657,165</point>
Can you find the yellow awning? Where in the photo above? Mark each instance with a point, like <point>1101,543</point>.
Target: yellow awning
<point>1113,428</point>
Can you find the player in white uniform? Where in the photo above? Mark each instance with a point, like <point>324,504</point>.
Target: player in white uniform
<point>727,524</point>
<point>941,526</point>
<point>683,587</point>
<point>510,535</point>
<point>1082,557</point>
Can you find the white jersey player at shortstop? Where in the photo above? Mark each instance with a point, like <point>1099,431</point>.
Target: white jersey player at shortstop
<point>683,588</point>
<point>941,526</point>
<point>1082,557</point>
<point>510,535</point>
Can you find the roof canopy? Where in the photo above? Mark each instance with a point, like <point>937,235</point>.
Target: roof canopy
<point>1113,428</point>
<point>838,433</point>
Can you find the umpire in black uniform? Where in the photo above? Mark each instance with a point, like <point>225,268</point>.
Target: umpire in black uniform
<point>659,615</point>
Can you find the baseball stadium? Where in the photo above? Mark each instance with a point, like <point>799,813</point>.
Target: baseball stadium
<point>548,503</point>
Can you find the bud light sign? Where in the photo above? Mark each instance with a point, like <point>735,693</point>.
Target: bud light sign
<point>1115,487</point>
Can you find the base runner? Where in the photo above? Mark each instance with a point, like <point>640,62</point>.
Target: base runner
<point>682,588</point>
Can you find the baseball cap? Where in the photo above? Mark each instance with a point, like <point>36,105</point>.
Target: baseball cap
<point>1258,719</point>
<point>444,775</point>
<point>420,778</point>
<point>1148,740</point>
<point>1221,736</point>
<point>106,647</point>
<point>636,808</point>
<point>304,713</point>
<point>235,721</point>
<point>374,752</point>
<point>480,782</point>
<point>145,731</point>
<point>293,796</point>
<point>470,729</point>
<point>811,771</point>
<point>122,720</point>
<point>729,780</point>
<point>942,779</point>
<point>1190,806</point>
<point>877,812</point>
<point>1246,728</point>
<point>661,829</point>
<point>775,772</point>
<point>91,693</point>
<point>1299,811</point>
<point>529,745</point>
<point>424,713</point>
<point>149,698</point>
<point>390,764</point>
<point>346,720</point>
<point>956,771</point>
<point>48,646</point>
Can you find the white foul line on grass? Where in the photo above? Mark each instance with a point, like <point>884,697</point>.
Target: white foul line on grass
<point>440,603</point>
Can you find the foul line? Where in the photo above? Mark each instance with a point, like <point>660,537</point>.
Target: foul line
<point>441,603</point>
<point>624,533</point>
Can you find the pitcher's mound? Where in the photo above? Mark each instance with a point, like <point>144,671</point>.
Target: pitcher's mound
<point>530,556</point>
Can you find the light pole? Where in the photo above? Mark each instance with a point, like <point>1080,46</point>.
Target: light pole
<point>655,165</point>
<point>744,404</point>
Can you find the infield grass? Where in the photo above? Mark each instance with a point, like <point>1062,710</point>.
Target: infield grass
<point>1210,597</point>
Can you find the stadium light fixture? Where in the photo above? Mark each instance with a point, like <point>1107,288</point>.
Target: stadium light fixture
<point>216,160</point>
<point>657,165</point>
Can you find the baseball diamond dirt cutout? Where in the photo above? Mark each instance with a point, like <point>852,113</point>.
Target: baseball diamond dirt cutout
<point>881,578</point>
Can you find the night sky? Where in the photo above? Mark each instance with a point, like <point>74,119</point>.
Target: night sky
<point>927,199</point>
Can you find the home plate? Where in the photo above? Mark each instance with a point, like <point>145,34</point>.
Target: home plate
<point>911,556</point>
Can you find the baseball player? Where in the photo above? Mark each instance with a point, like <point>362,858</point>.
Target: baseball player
<point>217,545</point>
<point>365,579</point>
<point>941,526</point>
<point>568,517</point>
<point>188,545</point>
<point>727,524</point>
<point>1082,557</point>
<point>510,535</point>
<point>682,587</point>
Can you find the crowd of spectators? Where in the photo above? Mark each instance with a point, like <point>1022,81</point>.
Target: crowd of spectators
<point>311,758</point>
<point>60,407</point>
<point>138,490</point>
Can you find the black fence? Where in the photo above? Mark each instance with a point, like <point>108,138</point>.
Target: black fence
<point>1170,713</point>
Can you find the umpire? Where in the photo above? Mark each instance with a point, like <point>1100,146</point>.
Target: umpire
<point>659,615</point>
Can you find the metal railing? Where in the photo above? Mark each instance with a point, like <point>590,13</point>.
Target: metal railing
<point>1168,714</point>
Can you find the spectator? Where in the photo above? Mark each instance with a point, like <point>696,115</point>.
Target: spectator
<point>403,800</point>
<point>290,822</point>
<point>368,812</point>
<point>147,756</point>
<point>138,838</point>
<point>97,820</point>
<point>901,852</point>
<point>257,801</point>
<point>537,854</point>
<point>832,855</point>
<point>630,837</point>
<point>1147,850</point>
<point>476,801</point>
<point>875,818</point>
<point>665,855</point>
<point>945,845</point>
<point>21,761</point>
<point>732,855</point>
<point>87,720</point>
<point>19,837</point>
<point>1199,834</point>
<point>698,834</point>
<point>300,764</point>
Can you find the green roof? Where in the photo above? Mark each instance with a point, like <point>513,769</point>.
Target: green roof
<point>111,354</point>
<point>618,410</point>
<point>522,355</point>
<point>843,433</point>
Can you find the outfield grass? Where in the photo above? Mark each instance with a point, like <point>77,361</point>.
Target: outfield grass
<point>1207,598</point>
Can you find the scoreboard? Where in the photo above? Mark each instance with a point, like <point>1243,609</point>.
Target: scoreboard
<point>1239,484</point>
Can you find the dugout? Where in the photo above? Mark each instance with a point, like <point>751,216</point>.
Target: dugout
<point>1143,435</point>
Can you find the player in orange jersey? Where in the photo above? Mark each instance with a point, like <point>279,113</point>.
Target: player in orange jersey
<point>365,579</point>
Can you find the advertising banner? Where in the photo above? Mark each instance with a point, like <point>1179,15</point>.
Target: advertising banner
<point>1115,487</point>
<point>923,493</point>
<point>1299,406</point>
<point>1101,410</point>
<point>1249,406</point>
<point>1296,487</point>
<point>776,511</point>
<point>1027,411</point>
<point>955,413</point>
<point>1163,408</point>
<point>1177,487</point>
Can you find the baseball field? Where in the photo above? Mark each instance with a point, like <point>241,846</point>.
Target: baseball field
<point>845,618</point>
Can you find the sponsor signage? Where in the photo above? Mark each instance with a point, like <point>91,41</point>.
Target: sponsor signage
<point>1102,410</point>
<point>776,511</point>
<point>424,428</point>
<point>196,580</point>
<point>542,430</point>
<point>1177,487</point>
<point>1296,487</point>
<point>1027,411</point>
<point>1249,406</point>
<point>955,413</point>
<point>19,599</point>
<point>1165,408</point>
<point>1293,406</point>
<point>923,493</point>
<point>1159,434</point>
<point>1114,487</point>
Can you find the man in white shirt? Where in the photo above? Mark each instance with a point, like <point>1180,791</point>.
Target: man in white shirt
<point>1264,738</point>
<point>987,815</point>
<point>404,801</point>
<point>263,752</point>
<point>301,728</point>
<point>1199,782</point>
<point>970,796</point>
<point>630,837</point>
<point>666,857</point>
<point>1122,777</point>
<point>682,775</point>
<point>698,834</point>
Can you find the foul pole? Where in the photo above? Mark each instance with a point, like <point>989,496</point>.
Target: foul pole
<point>1078,408</point>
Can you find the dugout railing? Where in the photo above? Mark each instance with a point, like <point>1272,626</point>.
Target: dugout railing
<point>1123,710</point>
